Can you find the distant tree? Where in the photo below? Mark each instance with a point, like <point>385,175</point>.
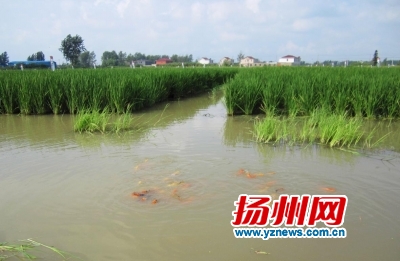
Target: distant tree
<point>121,58</point>
<point>240,56</point>
<point>130,58</point>
<point>39,56</point>
<point>72,47</point>
<point>139,56</point>
<point>174,58</point>
<point>109,59</point>
<point>4,59</point>
<point>185,59</point>
<point>153,57</point>
<point>375,58</point>
<point>87,59</point>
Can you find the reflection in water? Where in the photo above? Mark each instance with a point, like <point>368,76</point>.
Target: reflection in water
<point>329,155</point>
<point>238,129</point>
<point>74,191</point>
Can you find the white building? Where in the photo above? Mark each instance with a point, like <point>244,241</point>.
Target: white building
<point>289,60</point>
<point>249,61</point>
<point>205,61</point>
<point>226,60</point>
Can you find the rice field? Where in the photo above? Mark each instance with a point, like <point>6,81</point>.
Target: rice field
<point>114,90</point>
<point>298,91</point>
<point>321,127</point>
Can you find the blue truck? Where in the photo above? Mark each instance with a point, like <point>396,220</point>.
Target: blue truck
<point>33,64</point>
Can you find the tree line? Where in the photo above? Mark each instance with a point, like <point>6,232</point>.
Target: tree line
<point>74,51</point>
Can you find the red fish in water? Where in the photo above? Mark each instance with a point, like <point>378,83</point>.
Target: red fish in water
<point>250,176</point>
<point>137,194</point>
<point>140,194</point>
<point>241,172</point>
<point>328,189</point>
<point>155,201</point>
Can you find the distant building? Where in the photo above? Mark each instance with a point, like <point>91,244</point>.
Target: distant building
<point>289,60</point>
<point>250,61</point>
<point>205,61</point>
<point>163,61</point>
<point>143,62</point>
<point>226,60</point>
<point>32,64</point>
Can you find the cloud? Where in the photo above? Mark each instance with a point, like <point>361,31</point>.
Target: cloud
<point>232,36</point>
<point>122,6</point>
<point>197,12</point>
<point>302,25</point>
<point>21,36</point>
<point>56,28</point>
<point>252,5</point>
<point>91,18</point>
<point>219,11</point>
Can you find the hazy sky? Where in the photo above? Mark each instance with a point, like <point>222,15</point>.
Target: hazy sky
<point>265,29</point>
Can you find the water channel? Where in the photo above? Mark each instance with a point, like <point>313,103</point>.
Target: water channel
<point>74,191</point>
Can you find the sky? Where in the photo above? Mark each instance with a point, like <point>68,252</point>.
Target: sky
<point>315,30</point>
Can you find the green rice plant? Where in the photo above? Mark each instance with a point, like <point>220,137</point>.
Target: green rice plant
<point>373,98</point>
<point>123,123</point>
<point>8,96</point>
<point>355,91</point>
<point>243,93</point>
<point>72,94</point>
<point>273,129</point>
<point>70,91</point>
<point>39,92</point>
<point>117,91</point>
<point>24,95</point>
<point>334,130</point>
<point>339,130</point>
<point>22,251</point>
<point>94,121</point>
<point>56,95</point>
<point>356,99</point>
<point>291,101</point>
<point>272,97</point>
<point>228,100</point>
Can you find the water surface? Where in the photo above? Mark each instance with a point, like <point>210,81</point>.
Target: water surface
<point>73,190</point>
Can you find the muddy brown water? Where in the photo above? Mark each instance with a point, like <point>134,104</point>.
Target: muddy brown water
<point>73,191</point>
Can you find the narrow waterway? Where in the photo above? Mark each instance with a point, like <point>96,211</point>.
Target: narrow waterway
<point>74,191</point>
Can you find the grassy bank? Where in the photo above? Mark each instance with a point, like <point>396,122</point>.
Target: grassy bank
<point>298,91</point>
<point>118,90</point>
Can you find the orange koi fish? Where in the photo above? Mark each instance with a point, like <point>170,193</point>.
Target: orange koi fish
<point>240,172</point>
<point>328,189</point>
<point>250,176</point>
